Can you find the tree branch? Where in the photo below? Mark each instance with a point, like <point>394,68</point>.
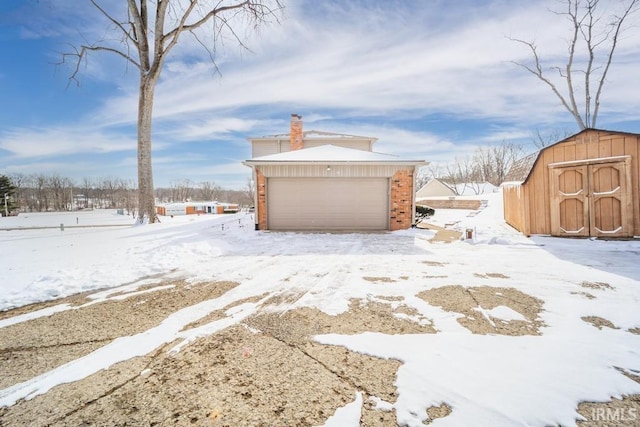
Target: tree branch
<point>538,72</point>
<point>81,54</point>
<point>617,28</point>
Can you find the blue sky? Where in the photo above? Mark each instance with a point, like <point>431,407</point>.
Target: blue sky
<point>431,80</point>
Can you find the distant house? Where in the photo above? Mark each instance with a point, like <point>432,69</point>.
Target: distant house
<point>325,181</point>
<point>192,208</point>
<point>585,185</point>
<point>435,188</point>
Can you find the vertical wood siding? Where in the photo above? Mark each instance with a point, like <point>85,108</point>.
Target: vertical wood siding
<point>527,207</point>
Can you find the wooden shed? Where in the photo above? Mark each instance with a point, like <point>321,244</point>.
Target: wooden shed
<point>585,185</point>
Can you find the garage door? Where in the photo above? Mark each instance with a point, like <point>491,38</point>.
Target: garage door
<point>328,203</point>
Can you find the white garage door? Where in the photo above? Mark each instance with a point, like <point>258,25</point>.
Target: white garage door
<point>328,203</point>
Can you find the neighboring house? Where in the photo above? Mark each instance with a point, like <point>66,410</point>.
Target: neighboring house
<point>435,188</point>
<point>322,181</point>
<point>585,185</point>
<point>192,208</point>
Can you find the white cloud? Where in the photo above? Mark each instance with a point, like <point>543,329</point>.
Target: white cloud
<point>341,65</point>
<point>41,142</point>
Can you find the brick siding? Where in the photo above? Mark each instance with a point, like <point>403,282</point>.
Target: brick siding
<point>296,137</point>
<point>261,183</point>
<point>401,215</point>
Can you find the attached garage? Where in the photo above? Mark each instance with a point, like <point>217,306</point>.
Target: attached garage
<point>333,188</point>
<point>328,203</point>
<point>585,185</point>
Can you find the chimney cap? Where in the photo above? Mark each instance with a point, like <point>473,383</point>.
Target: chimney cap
<point>296,116</point>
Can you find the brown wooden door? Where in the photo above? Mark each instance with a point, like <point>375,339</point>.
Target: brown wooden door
<point>569,201</point>
<point>610,201</point>
<point>591,200</point>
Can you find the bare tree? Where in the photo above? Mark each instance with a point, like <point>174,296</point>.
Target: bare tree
<point>492,162</point>
<point>599,36</point>
<point>148,36</point>
<point>249,192</point>
<point>181,190</point>
<point>209,191</point>
<point>87,187</point>
<point>459,173</point>
<point>543,139</point>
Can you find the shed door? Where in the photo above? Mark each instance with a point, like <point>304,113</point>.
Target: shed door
<point>328,203</point>
<point>591,200</point>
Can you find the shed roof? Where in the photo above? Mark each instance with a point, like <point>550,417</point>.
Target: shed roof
<point>526,164</point>
<point>520,168</point>
<point>331,153</point>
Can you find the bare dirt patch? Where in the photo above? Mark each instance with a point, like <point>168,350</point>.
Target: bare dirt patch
<point>214,382</point>
<point>617,412</point>
<point>434,263</point>
<point>269,372</point>
<point>635,331</point>
<point>442,234</point>
<point>587,295</point>
<point>596,285</point>
<point>599,322</point>
<point>297,325</point>
<point>435,412</point>
<point>379,279</point>
<point>31,348</point>
<point>467,301</point>
<point>491,275</point>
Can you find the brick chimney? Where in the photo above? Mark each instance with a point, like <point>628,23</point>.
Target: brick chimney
<point>295,137</point>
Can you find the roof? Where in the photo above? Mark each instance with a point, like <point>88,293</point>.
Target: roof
<point>529,162</point>
<point>317,134</point>
<point>330,153</point>
<point>520,168</point>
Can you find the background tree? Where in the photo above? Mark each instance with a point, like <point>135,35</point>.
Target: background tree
<point>591,48</point>
<point>149,31</point>
<point>181,190</point>
<point>209,191</point>
<point>548,137</point>
<point>494,161</point>
<point>7,194</point>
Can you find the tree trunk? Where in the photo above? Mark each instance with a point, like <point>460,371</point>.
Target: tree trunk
<point>146,198</point>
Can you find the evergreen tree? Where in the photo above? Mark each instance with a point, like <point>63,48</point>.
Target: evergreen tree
<point>7,191</point>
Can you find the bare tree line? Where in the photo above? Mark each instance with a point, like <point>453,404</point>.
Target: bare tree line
<point>487,164</point>
<point>53,192</point>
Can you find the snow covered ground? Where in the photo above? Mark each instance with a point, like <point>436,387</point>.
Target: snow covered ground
<point>489,379</point>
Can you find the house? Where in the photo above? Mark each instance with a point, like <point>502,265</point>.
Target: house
<point>192,208</point>
<point>435,188</point>
<point>584,185</point>
<point>323,181</point>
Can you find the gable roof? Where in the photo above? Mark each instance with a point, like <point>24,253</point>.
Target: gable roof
<point>330,153</point>
<point>433,185</point>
